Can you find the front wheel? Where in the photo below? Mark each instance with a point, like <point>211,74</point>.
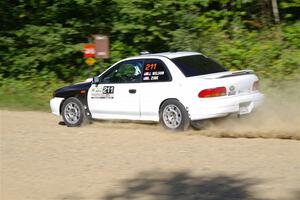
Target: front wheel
<point>73,112</point>
<point>174,116</point>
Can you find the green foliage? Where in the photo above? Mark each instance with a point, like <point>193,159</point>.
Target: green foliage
<point>28,94</point>
<point>41,41</point>
<point>40,49</point>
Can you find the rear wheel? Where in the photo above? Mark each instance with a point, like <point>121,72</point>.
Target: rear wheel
<point>73,112</point>
<point>174,116</point>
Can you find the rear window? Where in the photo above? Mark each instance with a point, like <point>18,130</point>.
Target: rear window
<point>197,65</point>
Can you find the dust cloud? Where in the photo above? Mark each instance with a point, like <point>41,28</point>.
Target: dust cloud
<point>278,117</point>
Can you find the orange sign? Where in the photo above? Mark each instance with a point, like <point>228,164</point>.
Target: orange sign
<point>89,51</point>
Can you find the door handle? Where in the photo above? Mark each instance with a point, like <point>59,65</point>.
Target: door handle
<point>132,91</point>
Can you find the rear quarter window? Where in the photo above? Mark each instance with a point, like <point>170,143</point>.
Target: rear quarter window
<point>155,70</point>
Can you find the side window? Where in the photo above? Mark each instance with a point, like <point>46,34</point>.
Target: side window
<point>155,70</point>
<point>125,72</point>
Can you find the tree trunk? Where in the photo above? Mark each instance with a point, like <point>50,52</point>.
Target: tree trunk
<point>275,11</point>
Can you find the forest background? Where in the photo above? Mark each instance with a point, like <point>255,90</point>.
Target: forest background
<point>41,41</point>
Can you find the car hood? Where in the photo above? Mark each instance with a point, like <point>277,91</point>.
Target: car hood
<point>72,89</point>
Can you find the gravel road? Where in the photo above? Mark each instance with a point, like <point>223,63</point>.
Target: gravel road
<point>42,160</point>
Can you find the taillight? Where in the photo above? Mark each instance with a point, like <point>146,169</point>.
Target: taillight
<point>255,85</point>
<point>212,92</point>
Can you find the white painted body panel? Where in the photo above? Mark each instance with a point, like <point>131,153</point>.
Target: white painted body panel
<point>204,108</point>
<point>55,105</point>
<point>123,105</point>
<point>222,106</point>
<point>152,95</point>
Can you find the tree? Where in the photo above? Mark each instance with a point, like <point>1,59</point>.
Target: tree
<point>275,11</point>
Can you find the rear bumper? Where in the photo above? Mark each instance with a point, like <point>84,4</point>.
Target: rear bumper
<point>55,105</point>
<point>220,107</point>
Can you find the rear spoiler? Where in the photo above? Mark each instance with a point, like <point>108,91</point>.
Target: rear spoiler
<point>238,73</point>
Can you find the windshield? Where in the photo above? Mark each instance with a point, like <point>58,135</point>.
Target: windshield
<point>196,65</point>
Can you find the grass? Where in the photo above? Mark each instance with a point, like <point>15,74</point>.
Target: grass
<point>23,101</point>
<point>18,96</point>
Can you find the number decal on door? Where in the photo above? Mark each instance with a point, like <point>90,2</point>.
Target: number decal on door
<point>108,90</point>
<point>105,92</point>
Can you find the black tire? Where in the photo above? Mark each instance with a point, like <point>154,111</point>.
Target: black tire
<point>73,112</point>
<point>174,116</point>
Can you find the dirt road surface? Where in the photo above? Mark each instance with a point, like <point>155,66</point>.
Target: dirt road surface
<point>42,160</point>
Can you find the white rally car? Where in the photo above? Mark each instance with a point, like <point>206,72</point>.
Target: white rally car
<point>174,88</point>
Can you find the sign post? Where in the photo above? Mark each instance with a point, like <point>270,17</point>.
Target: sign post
<point>102,46</point>
<point>98,48</point>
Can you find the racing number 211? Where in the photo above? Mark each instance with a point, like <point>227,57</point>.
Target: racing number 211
<point>108,90</point>
<point>150,67</point>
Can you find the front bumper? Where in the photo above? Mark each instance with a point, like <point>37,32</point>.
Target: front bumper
<point>55,105</point>
<point>223,106</point>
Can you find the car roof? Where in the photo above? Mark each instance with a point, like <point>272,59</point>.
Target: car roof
<point>169,55</point>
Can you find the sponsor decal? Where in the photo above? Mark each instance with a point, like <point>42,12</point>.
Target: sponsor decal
<point>232,90</point>
<point>158,73</point>
<point>154,78</point>
<point>103,92</point>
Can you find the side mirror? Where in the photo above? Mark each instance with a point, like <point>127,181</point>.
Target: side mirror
<point>96,80</point>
